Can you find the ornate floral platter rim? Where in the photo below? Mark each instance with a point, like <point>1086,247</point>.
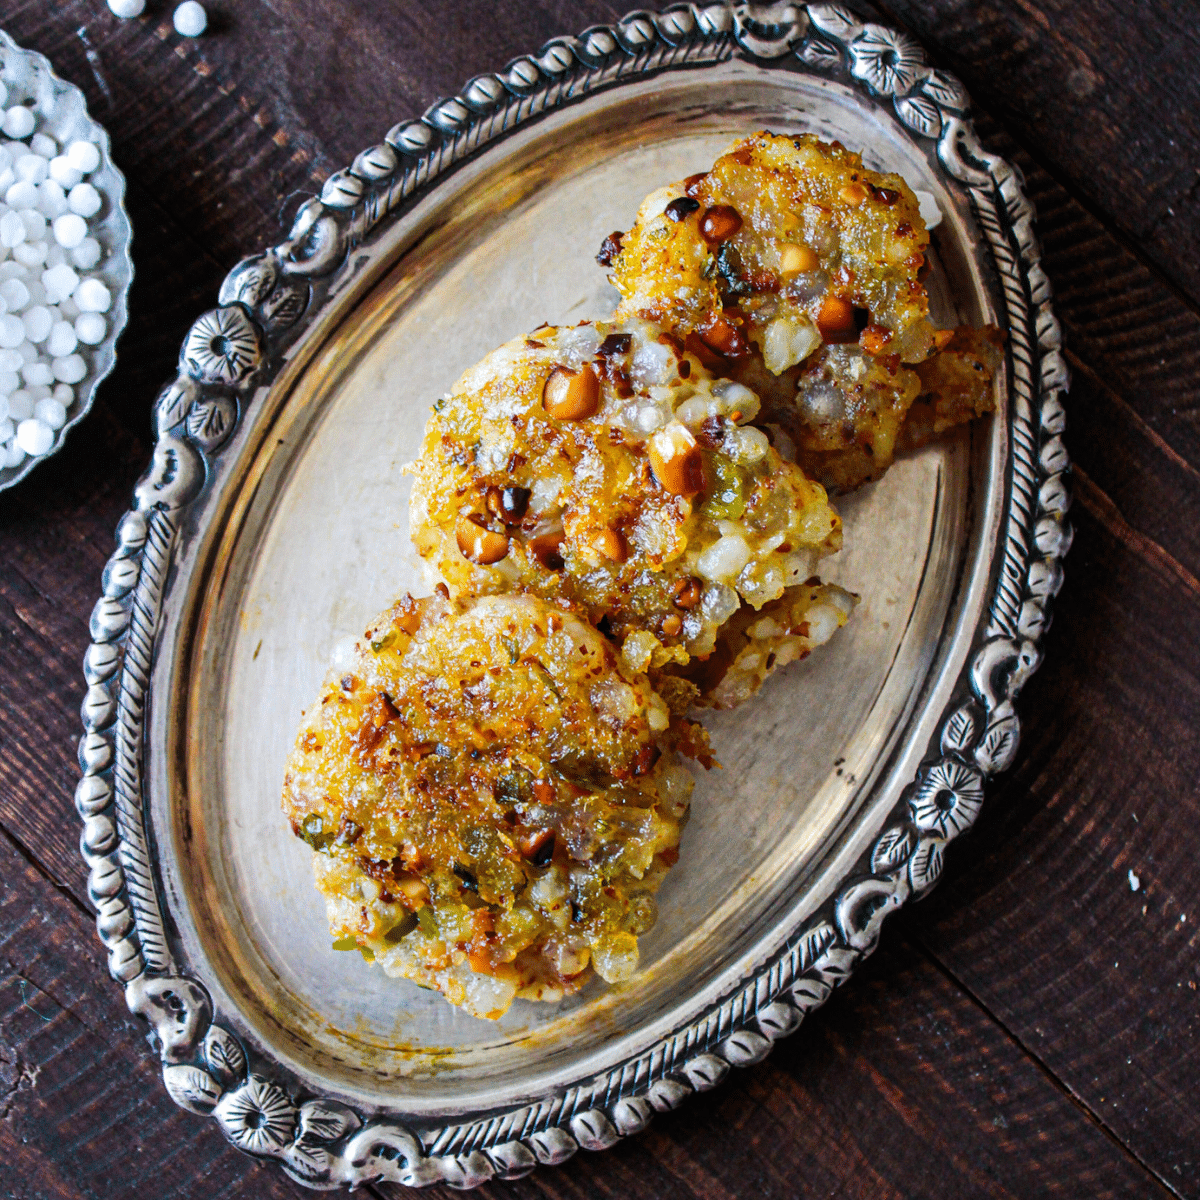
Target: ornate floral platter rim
<point>230,358</point>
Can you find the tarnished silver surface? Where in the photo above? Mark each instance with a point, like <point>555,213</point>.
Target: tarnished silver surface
<point>62,113</point>
<point>272,522</point>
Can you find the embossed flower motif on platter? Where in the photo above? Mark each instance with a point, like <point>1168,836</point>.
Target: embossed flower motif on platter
<point>222,346</point>
<point>891,62</point>
<point>257,1117</point>
<point>947,799</point>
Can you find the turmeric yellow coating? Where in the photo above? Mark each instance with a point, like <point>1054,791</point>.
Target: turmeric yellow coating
<point>794,270</point>
<point>786,243</point>
<point>655,514</point>
<point>493,797</point>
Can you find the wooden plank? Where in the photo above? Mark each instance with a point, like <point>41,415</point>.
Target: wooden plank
<point>1106,95</point>
<point>1071,912</point>
<point>1135,350</point>
<point>900,1087</point>
<point>83,1112</point>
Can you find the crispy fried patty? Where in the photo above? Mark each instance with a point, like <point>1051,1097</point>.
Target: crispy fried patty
<point>794,270</point>
<point>642,498</point>
<point>492,796</point>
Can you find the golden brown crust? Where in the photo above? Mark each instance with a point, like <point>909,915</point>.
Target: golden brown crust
<point>808,239</point>
<point>956,385</point>
<point>796,271</point>
<point>492,795</point>
<point>653,515</point>
<point>849,413</point>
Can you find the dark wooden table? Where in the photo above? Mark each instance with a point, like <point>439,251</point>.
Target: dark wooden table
<point>1031,1029</point>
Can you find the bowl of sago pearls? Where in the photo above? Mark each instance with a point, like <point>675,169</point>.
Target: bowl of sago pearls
<point>64,259</point>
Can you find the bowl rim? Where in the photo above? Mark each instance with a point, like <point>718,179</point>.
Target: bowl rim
<point>230,358</point>
<point>118,314</point>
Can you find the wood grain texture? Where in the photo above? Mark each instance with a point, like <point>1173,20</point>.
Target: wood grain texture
<point>1104,94</point>
<point>901,1087</point>
<point>1028,1031</point>
<point>83,1112</point>
<point>1039,918</point>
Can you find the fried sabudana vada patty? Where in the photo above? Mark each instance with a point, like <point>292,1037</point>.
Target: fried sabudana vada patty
<point>493,797</point>
<point>602,466</point>
<point>786,243</point>
<point>796,271</point>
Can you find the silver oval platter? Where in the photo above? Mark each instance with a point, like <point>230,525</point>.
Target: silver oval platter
<point>271,524</point>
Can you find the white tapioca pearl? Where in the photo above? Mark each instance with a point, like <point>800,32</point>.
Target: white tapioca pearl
<point>747,445</point>
<point>90,328</point>
<point>12,230</point>
<point>37,374</point>
<point>190,19</point>
<point>127,8</point>
<point>10,360</point>
<point>35,224</point>
<point>87,254</point>
<point>31,167</point>
<point>21,194</point>
<point>19,122</point>
<point>43,144</point>
<point>69,230</point>
<point>38,323</point>
<point>31,254</point>
<point>52,200</point>
<point>724,558</point>
<point>84,200</point>
<point>34,437</point>
<point>92,296</point>
<point>13,455</point>
<point>39,391</point>
<point>7,428</point>
<point>64,172</point>
<point>62,339</point>
<point>718,603</point>
<point>51,412</point>
<point>70,368</point>
<point>10,381</point>
<point>84,156</point>
<point>68,308</point>
<point>12,331</point>
<point>64,394</point>
<point>13,270</point>
<point>20,404</point>
<point>59,282</point>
